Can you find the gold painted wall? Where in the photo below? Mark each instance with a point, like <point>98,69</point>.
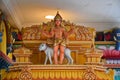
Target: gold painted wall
<point>38,57</point>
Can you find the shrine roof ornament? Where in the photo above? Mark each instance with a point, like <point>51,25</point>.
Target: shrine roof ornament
<point>58,16</point>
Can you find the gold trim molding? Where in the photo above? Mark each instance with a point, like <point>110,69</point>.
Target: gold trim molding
<point>57,72</point>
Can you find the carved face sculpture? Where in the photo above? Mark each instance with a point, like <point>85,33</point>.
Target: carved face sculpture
<point>58,19</point>
<point>57,22</point>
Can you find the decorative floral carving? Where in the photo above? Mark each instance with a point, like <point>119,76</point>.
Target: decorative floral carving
<point>81,33</point>
<point>32,33</point>
<point>84,33</point>
<point>89,74</point>
<point>25,74</point>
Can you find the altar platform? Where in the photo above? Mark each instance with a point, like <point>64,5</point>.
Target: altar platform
<point>29,60</point>
<point>57,72</point>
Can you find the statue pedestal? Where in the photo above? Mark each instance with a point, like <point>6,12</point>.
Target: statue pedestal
<point>94,58</point>
<point>57,72</point>
<point>22,56</point>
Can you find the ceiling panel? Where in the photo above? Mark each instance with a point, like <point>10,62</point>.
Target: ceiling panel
<point>76,11</point>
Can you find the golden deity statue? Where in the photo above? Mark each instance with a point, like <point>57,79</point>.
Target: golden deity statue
<point>60,35</point>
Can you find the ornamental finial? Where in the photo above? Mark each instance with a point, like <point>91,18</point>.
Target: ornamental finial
<point>58,16</point>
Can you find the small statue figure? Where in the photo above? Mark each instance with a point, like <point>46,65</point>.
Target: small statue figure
<point>59,34</point>
<point>117,38</point>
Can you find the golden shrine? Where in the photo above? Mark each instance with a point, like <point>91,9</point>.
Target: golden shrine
<point>22,56</point>
<point>29,60</point>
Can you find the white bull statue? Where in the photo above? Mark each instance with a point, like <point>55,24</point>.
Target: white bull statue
<point>49,53</point>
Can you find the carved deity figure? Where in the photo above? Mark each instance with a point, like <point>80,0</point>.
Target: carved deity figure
<point>117,38</point>
<point>59,34</point>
